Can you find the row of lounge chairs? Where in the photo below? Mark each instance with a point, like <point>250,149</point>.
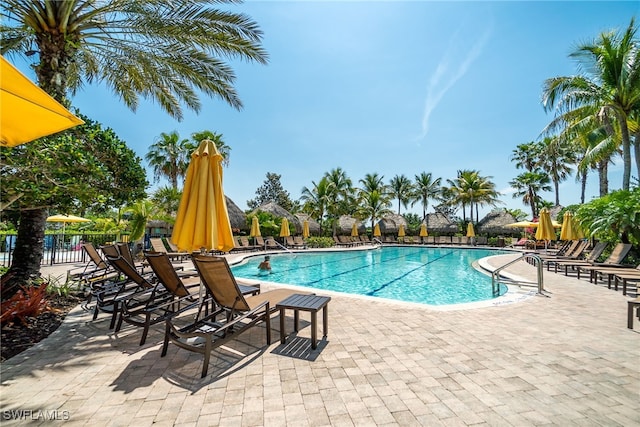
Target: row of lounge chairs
<point>434,240</point>
<point>579,258</point>
<point>166,294</point>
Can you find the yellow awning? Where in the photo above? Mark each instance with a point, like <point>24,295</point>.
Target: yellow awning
<point>28,112</point>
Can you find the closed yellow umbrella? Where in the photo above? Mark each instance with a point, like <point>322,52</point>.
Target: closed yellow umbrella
<point>28,112</point>
<point>305,229</point>
<point>202,221</point>
<point>570,230</point>
<point>284,228</point>
<point>545,229</point>
<point>401,231</point>
<point>376,231</point>
<point>255,227</point>
<point>470,231</point>
<point>354,230</point>
<point>423,230</point>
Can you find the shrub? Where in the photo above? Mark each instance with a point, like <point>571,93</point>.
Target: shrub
<point>320,242</point>
<point>29,301</point>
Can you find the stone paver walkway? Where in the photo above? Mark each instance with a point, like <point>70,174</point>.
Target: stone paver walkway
<point>566,360</point>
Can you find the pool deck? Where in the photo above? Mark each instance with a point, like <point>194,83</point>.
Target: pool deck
<point>563,359</point>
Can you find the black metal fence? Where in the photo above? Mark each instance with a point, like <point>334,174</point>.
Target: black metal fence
<point>58,249</point>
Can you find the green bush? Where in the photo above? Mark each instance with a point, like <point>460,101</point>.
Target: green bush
<point>320,242</point>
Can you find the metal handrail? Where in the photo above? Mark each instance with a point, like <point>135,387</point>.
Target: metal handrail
<point>495,275</point>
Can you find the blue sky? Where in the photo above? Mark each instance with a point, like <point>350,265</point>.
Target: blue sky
<point>388,87</point>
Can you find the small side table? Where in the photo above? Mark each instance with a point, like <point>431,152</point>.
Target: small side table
<point>310,303</point>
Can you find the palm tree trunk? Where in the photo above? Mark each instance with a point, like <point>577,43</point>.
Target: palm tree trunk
<point>626,153</point>
<point>636,150</point>
<point>28,252</point>
<point>603,170</point>
<point>583,182</point>
<point>556,185</point>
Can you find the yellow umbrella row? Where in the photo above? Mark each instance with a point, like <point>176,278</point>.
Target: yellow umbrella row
<point>28,112</point>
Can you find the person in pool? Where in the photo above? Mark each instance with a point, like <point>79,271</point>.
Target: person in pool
<point>265,265</point>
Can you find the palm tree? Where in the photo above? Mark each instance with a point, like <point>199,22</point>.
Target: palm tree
<point>166,51</point>
<point>223,148</point>
<point>556,158</point>
<point>426,188</point>
<point>373,182</point>
<point>528,185</point>
<point>470,188</point>
<point>401,188</point>
<point>527,156</point>
<point>607,90</point>
<point>167,199</point>
<point>169,157</point>
<point>373,205</point>
<point>316,199</point>
<point>340,194</point>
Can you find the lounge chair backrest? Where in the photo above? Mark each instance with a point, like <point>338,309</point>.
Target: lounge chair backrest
<point>125,251</point>
<point>569,248</point>
<point>596,251</point>
<point>93,254</point>
<point>618,253</point>
<point>157,245</point>
<point>166,274</point>
<point>129,271</point>
<point>220,282</point>
<point>110,251</point>
<point>289,240</point>
<point>259,240</point>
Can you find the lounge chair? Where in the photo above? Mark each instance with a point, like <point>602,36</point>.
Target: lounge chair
<point>567,262</point>
<point>244,243</point>
<point>616,274</point>
<point>481,240</point>
<point>429,240</point>
<point>240,313</point>
<point>291,243</point>
<point>157,245</point>
<point>299,242</point>
<point>615,259</point>
<point>95,271</point>
<point>151,305</point>
<point>340,243</point>
<point>182,286</point>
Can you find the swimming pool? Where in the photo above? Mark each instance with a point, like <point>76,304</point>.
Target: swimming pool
<point>435,276</point>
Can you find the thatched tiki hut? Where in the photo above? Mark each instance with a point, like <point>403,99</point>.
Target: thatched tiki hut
<point>439,223</point>
<point>237,217</point>
<point>494,224</point>
<point>280,212</point>
<point>344,224</point>
<point>314,226</point>
<point>390,224</point>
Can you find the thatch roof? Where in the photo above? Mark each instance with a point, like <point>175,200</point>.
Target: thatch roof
<point>495,223</point>
<point>390,224</point>
<point>280,212</point>
<point>237,217</point>
<point>438,222</point>
<point>344,224</point>
<point>314,226</point>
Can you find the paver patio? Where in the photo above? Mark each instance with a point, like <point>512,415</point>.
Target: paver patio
<point>566,359</point>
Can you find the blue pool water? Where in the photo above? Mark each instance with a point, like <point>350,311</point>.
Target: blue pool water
<point>435,276</point>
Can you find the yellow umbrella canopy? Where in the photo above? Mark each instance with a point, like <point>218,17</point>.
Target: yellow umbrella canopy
<point>28,112</point>
<point>401,231</point>
<point>570,230</point>
<point>305,229</point>
<point>66,218</point>
<point>255,227</point>
<point>202,220</point>
<point>284,228</point>
<point>376,231</point>
<point>545,229</point>
<point>522,224</point>
<point>470,231</point>
<point>423,230</point>
<point>354,230</point>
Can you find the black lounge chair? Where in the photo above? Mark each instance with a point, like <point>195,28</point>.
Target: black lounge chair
<point>239,313</point>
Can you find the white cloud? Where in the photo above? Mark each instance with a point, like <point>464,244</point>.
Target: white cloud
<point>444,78</point>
